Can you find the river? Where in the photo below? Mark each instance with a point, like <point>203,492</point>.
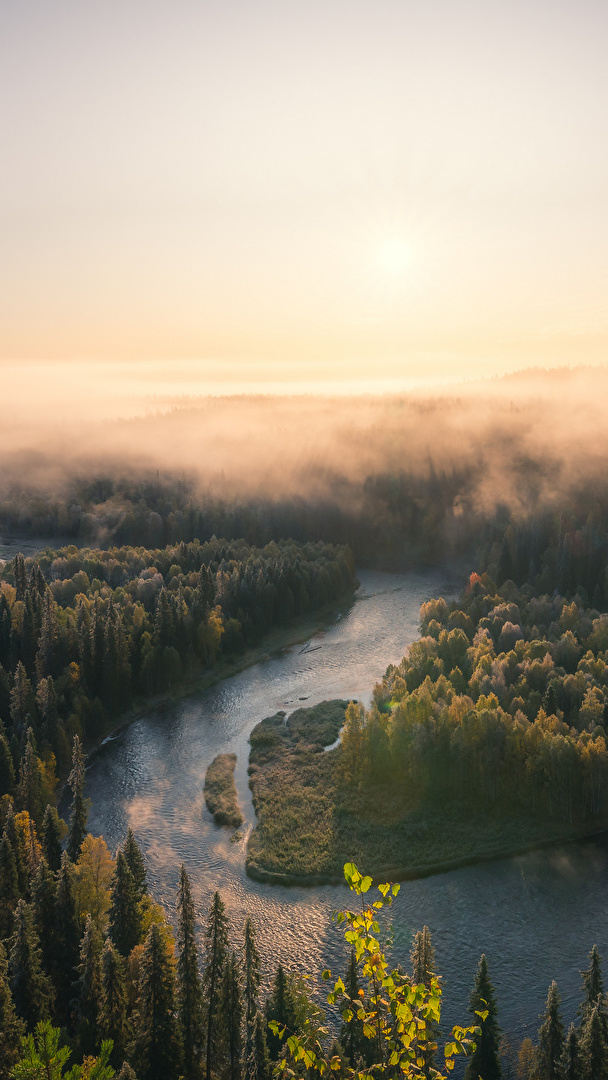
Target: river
<point>535,916</point>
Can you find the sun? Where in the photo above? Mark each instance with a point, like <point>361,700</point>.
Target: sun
<point>394,255</point>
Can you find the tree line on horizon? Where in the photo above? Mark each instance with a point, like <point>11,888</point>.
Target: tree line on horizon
<point>553,533</point>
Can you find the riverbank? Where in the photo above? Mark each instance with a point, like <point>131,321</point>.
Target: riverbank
<point>278,640</point>
<point>309,824</point>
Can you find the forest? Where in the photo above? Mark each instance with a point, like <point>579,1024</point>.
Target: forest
<point>84,631</point>
<point>93,973</point>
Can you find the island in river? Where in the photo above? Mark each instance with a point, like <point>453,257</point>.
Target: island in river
<point>220,791</point>
<point>309,823</point>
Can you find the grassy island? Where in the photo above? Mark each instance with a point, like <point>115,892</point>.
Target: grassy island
<point>310,823</point>
<point>220,791</point>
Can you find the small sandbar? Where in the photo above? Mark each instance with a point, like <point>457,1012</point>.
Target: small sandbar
<point>220,791</point>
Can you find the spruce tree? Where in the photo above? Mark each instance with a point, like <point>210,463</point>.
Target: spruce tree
<point>126,1072</point>
<point>48,661</point>
<point>216,953</point>
<point>44,904</point>
<point>125,913</point>
<point>51,837</point>
<point>189,992</point>
<point>11,1027</point>
<point>258,1062</point>
<point>422,958</point>
<point>135,862</point>
<point>157,1036</point>
<point>112,1016</point>
<point>593,1050</point>
<point>78,820</point>
<point>231,1012</point>
<point>31,989</point>
<point>20,575</point>
<point>67,936</point>
<point>351,1034</point>
<point>29,793</point>
<point>22,702</point>
<point>251,987</point>
<point>280,1007</point>
<point>594,989</point>
<point>18,847</point>
<point>88,987</point>
<point>571,1060</point>
<point>9,885</point>
<point>550,1039</point>
<point>7,769</point>
<point>484,1063</point>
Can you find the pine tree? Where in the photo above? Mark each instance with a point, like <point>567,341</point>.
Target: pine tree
<point>112,1016</point>
<point>157,1037</point>
<point>125,913</point>
<point>216,953</point>
<point>78,820</point>
<point>31,989</point>
<point>571,1060</point>
<point>252,986</point>
<point>67,936</point>
<point>551,1039</point>
<point>189,992</point>
<point>88,987</point>
<point>135,862</point>
<point>11,1027</point>
<point>258,1062</point>
<point>484,1062</point>
<point>51,837</point>
<point>593,1050</point>
<point>231,1011</point>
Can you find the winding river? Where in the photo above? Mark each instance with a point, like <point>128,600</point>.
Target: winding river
<point>535,916</point>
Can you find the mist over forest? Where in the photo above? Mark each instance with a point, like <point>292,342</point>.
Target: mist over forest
<point>402,478</point>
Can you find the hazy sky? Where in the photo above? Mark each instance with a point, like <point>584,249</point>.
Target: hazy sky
<point>303,189</point>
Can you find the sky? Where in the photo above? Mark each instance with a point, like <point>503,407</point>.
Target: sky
<point>288,193</point>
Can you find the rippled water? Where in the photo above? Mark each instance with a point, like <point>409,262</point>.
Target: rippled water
<point>535,916</point>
